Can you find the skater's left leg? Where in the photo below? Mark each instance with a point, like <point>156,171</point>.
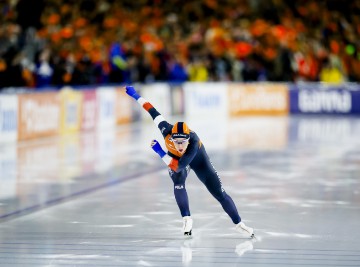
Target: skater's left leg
<point>228,205</point>
<point>213,184</point>
<point>206,172</point>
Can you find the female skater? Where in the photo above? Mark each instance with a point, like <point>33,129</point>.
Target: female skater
<point>185,152</point>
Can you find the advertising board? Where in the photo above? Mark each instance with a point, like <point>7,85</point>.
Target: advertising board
<point>158,94</point>
<point>39,115</point>
<point>123,107</point>
<point>8,118</point>
<point>106,99</point>
<point>316,98</point>
<point>88,110</point>
<point>206,99</point>
<point>71,103</point>
<point>258,99</point>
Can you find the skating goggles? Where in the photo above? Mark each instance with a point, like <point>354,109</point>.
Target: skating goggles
<point>180,142</point>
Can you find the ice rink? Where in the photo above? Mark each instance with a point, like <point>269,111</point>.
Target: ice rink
<point>105,198</point>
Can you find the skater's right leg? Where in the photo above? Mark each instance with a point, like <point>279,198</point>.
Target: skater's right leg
<point>181,198</point>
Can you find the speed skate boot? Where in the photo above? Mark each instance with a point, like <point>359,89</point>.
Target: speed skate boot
<point>242,228</point>
<point>187,225</point>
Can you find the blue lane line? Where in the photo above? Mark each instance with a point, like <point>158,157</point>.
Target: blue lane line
<point>55,201</point>
<point>257,250</point>
<point>174,262</point>
<point>107,252</point>
<point>103,248</point>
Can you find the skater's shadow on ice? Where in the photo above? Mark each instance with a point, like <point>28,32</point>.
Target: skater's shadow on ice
<point>244,246</point>
<point>187,249</point>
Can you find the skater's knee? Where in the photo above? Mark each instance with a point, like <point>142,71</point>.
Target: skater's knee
<point>178,178</point>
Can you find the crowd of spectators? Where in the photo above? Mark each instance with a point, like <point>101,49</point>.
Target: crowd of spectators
<point>84,42</point>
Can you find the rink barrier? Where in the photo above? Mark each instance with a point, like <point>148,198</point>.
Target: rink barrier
<point>206,100</point>
<point>8,118</point>
<point>316,98</point>
<point>28,114</point>
<point>258,99</point>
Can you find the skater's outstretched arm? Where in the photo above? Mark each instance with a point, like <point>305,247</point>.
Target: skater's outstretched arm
<point>159,120</point>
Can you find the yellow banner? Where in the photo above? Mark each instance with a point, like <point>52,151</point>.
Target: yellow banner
<point>71,103</point>
<point>258,99</point>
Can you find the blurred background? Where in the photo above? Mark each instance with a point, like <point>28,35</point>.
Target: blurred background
<point>271,87</point>
<point>82,42</point>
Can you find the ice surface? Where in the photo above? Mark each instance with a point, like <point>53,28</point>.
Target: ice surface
<point>105,199</point>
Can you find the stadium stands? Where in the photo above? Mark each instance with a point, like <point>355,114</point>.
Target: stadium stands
<point>68,42</point>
